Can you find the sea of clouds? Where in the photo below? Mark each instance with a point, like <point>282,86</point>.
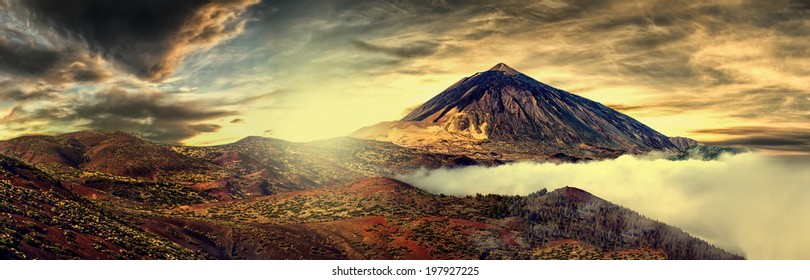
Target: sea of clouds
<point>751,204</point>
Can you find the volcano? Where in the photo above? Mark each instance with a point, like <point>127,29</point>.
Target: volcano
<point>504,113</point>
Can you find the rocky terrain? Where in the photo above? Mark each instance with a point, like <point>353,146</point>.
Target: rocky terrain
<point>373,218</point>
<point>504,114</point>
<point>250,167</point>
<point>262,198</point>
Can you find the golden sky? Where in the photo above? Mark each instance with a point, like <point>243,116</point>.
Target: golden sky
<point>212,72</point>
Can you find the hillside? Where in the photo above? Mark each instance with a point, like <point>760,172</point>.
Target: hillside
<point>116,162</point>
<point>109,152</point>
<point>43,220</point>
<point>381,218</point>
<point>93,195</point>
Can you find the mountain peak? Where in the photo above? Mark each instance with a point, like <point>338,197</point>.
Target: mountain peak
<point>502,67</point>
<point>507,107</point>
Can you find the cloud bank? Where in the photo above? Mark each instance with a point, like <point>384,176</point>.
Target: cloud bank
<point>750,203</point>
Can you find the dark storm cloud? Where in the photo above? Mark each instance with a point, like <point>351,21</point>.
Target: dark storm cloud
<point>154,114</point>
<point>144,105</point>
<point>29,60</point>
<point>158,116</point>
<point>84,75</point>
<point>23,60</point>
<point>147,37</point>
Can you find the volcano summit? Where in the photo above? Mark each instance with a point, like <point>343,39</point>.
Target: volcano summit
<point>501,113</point>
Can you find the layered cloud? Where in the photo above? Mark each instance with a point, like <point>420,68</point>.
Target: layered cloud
<point>750,204</point>
<point>152,114</point>
<point>785,138</point>
<point>100,65</point>
<point>683,67</point>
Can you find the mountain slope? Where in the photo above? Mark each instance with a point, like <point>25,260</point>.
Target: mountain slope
<point>683,143</point>
<point>128,167</point>
<point>382,218</point>
<point>40,219</point>
<point>266,165</point>
<point>503,106</point>
<point>109,152</point>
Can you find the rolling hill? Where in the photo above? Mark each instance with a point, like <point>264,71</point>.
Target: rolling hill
<point>340,211</point>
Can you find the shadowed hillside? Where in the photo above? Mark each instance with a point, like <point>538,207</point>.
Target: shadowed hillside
<point>43,220</point>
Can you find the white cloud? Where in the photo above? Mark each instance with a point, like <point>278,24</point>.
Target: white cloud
<point>751,204</point>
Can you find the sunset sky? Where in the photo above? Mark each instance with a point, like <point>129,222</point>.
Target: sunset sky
<point>204,72</point>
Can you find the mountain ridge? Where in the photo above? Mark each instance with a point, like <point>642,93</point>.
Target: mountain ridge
<point>252,166</point>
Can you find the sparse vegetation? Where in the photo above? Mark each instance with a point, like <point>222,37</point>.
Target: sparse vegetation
<point>263,198</point>
<point>52,224</point>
